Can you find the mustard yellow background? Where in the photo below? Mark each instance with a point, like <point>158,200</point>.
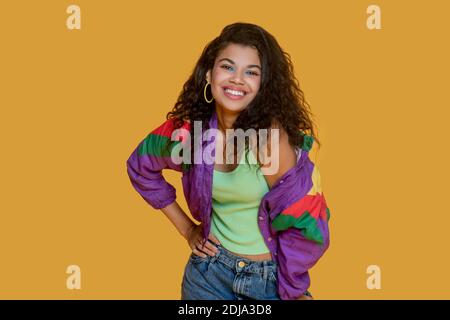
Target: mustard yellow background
<point>75,103</point>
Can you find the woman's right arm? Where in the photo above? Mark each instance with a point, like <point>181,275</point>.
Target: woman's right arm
<point>190,231</point>
<point>144,168</point>
<point>145,165</point>
<point>179,219</point>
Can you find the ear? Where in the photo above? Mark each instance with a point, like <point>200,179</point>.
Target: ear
<point>208,76</point>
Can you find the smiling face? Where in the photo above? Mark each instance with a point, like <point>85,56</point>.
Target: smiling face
<point>235,78</point>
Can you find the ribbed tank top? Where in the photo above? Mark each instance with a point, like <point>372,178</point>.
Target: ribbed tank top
<point>236,196</point>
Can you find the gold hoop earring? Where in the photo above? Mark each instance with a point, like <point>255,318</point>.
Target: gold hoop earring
<point>204,93</point>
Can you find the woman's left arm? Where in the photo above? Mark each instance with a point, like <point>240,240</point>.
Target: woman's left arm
<point>303,235</point>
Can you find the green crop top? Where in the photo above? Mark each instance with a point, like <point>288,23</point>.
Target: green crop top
<point>236,196</point>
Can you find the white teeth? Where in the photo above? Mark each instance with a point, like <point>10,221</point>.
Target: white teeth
<point>234,92</point>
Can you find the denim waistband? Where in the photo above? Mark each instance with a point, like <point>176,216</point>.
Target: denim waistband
<point>239,264</point>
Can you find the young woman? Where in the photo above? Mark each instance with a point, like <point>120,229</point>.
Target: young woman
<point>261,229</point>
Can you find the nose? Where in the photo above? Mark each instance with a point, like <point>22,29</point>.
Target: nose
<point>236,78</point>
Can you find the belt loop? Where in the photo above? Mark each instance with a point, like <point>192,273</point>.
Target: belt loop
<point>216,256</point>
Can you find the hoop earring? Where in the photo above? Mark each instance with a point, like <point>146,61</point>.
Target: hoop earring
<point>204,93</point>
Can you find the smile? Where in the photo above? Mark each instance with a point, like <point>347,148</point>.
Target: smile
<point>234,94</point>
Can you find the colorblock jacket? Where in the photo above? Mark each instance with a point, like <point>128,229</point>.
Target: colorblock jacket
<point>292,217</point>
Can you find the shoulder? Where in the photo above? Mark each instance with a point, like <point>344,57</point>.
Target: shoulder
<point>282,155</point>
<point>166,128</point>
<point>286,150</point>
<point>161,140</point>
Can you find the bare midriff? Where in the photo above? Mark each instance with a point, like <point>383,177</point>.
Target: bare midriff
<point>254,257</point>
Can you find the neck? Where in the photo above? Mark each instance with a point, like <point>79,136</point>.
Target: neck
<point>225,120</point>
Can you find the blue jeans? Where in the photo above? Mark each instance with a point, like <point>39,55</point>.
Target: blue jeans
<point>227,276</point>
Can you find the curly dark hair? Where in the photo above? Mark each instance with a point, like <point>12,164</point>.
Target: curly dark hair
<point>279,99</point>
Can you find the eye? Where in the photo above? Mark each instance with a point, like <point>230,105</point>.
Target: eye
<point>226,67</point>
<point>253,73</point>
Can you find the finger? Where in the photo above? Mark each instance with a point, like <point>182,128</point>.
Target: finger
<point>213,238</point>
<point>198,253</point>
<point>211,247</point>
<point>205,250</point>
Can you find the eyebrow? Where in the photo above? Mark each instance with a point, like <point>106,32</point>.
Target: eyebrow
<point>249,66</point>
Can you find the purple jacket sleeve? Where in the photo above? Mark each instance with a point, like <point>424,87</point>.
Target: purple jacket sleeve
<point>145,165</point>
<point>303,237</point>
<point>296,255</point>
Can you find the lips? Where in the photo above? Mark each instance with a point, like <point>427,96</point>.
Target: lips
<point>231,95</point>
<point>235,89</point>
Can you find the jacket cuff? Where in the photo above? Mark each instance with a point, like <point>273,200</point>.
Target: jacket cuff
<point>164,203</point>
